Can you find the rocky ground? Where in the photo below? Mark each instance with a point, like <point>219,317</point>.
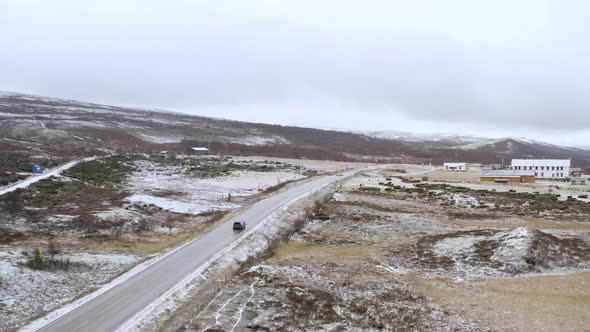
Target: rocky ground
<point>386,254</point>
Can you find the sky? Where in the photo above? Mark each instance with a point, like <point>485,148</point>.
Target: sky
<point>488,68</point>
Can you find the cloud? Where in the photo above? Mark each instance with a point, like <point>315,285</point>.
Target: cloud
<point>503,67</point>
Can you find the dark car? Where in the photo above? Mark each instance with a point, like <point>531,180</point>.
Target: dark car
<point>239,225</point>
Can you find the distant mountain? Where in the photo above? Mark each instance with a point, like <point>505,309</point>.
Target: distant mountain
<point>34,125</point>
<point>458,141</point>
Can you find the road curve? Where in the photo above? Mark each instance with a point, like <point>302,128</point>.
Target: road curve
<point>114,307</point>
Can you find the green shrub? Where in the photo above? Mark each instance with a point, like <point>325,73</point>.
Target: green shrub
<point>359,309</point>
<point>37,262</point>
<point>377,324</point>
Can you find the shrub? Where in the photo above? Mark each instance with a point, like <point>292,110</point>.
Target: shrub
<point>37,262</point>
<point>532,260</point>
<point>582,196</point>
<point>425,178</point>
<point>377,324</point>
<point>359,309</point>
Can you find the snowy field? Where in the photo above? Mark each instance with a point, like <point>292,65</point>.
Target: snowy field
<point>170,188</point>
<point>26,293</point>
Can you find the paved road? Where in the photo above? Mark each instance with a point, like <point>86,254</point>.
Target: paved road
<point>117,305</point>
<point>36,178</point>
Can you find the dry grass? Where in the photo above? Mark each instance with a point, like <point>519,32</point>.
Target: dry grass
<point>541,303</point>
<point>296,252</point>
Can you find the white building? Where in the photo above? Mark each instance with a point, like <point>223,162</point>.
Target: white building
<point>200,150</point>
<point>455,167</point>
<point>544,168</point>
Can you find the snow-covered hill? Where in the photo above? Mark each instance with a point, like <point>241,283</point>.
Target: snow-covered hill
<point>45,126</point>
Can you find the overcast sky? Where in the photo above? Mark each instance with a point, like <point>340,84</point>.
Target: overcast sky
<point>492,68</point>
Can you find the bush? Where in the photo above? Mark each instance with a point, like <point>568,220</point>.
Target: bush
<point>582,196</point>
<point>37,262</point>
<point>425,178</point>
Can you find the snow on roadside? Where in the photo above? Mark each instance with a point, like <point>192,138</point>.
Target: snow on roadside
<point>64,310</point>
<point>27,293</point>
<point>256,241</point>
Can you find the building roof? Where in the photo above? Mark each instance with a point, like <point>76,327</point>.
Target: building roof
<point>541,162</point>
<point>489,173</point>
<point>200,149</point>
<point>454,164</point>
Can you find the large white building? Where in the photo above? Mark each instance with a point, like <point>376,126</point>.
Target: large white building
<point>544,168</point>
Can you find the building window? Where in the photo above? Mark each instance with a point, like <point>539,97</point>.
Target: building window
<point>536,174</point>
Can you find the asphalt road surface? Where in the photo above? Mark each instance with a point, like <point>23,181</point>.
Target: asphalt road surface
<point>119,304</point>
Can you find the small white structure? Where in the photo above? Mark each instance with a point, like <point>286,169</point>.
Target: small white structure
<point>200,150</point>
<point>455,167</point>
<point>544,168</point>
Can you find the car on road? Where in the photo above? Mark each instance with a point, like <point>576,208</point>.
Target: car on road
<point>239,226</point>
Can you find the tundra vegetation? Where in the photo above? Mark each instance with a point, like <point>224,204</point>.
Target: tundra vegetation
<point>81,225</point>
<point>403,254</point>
